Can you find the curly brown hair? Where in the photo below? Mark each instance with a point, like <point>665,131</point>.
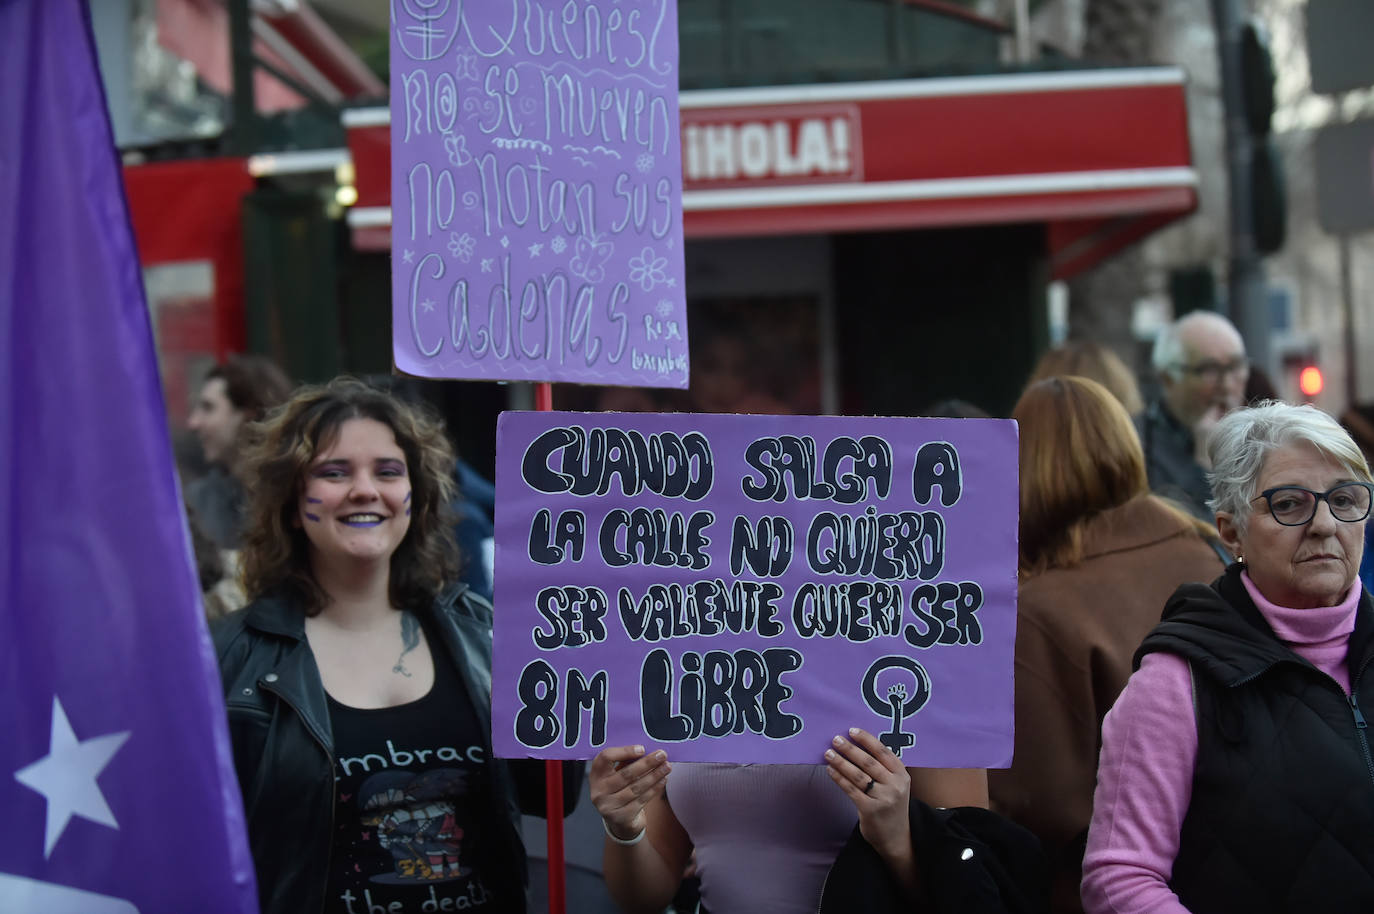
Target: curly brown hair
<point>282,446</point>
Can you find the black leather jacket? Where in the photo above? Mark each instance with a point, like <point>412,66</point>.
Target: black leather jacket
<point>283,745</point>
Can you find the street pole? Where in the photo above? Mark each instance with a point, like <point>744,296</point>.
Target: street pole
<point>1247,299</point>
<point>1352,378</point>
<point>1021,15</point>
<point>244,133</point>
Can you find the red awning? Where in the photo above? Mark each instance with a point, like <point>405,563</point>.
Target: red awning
<point>1101,156</point>
<point>292,37</point>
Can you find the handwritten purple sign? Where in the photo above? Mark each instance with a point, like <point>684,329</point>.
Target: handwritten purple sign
<point>742,588</point>
<point>536,191</point>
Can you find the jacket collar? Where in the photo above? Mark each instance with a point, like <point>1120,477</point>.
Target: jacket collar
<point>274,615</point>
<point>463,624</point>
<point>1220,628</point>
<point>1140,522</point>
<point>294,677</point>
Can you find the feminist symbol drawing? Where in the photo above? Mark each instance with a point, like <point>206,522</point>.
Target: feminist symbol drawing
<point>434,41</point>
<point>899,702</point>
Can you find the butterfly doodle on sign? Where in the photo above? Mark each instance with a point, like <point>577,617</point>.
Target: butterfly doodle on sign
<point>589,258</point>
<point>456,145</point>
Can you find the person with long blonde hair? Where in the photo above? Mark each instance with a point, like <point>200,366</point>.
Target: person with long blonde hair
<point>1098,556</point>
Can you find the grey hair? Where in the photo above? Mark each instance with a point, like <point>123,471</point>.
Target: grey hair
<point>1167,357</point>
<point>1243,440</point>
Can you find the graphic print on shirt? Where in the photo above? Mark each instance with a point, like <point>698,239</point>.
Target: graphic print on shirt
<point>414,818</point>
<point>412,826</point>
<point>415,826</point>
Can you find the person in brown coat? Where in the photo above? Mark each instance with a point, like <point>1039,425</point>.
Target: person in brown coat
<point>1099,556</point>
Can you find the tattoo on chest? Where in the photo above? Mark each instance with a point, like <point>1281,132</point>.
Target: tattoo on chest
<point>410,639</point>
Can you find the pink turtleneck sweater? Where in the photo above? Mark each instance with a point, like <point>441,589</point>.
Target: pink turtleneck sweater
<point>1149,748</point>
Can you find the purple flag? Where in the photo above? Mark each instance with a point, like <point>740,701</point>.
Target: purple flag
<point>115,770</point>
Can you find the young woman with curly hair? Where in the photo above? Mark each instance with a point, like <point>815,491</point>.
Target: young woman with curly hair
<point>358,680</point>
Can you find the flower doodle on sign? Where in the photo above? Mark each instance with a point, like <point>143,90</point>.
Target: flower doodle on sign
<point>647,269</point>
<point>644,162</point>
<point>589,258</point>
<point>558,245</point>
<point>461,246</point>
<point>899,702</point>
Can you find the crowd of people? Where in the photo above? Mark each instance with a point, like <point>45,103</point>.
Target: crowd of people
<point>1192,644</point>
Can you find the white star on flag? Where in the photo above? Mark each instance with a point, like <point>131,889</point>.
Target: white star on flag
<point>66,776</point>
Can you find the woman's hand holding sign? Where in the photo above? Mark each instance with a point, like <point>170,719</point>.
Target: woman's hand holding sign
<point>873,777</point>
<point>627,790</point>
<point>623,781</point>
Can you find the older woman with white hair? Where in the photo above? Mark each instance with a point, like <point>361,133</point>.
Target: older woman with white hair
<point>1236,770</point>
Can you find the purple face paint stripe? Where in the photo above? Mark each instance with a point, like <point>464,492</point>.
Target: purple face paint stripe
<point>309,516</point>
<point>314,501</point>
<point>407,500</point>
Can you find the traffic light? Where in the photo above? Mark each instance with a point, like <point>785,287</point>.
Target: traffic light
<point>1310,381</point>
<point>1268,196</point>
<point>1302,370</point>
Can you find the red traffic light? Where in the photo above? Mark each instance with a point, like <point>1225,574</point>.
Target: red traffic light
<point>1310,381</point>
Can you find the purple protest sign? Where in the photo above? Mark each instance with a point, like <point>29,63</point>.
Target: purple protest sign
<point>115,770</point>
<point>536,191</point>
<point>742,588</point>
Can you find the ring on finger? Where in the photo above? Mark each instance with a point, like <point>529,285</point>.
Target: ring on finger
<point>868,788</point>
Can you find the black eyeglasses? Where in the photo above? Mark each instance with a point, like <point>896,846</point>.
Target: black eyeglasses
<point>1294,506</point>
<point>1215,371</point>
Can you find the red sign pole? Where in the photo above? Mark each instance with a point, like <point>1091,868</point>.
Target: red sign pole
<point>553,769</point>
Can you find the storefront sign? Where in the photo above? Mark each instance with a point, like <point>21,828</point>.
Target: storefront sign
<point>536,188</point>
<point>801,146</point>
<point>742,588</point>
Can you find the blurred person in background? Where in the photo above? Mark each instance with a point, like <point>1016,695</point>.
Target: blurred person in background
<point>220,591</point>
<point>1200,363</point>
<point>1099,555</point>
<point>1235,772</point>
<point>1258,387</point>
<point>358,681</point>
<point>955,408</point>
<point>241,390</point>
<point>1358,420</point>
<point>1085,359</point>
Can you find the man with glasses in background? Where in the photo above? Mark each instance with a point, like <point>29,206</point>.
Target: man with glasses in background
<point>1201,367</point>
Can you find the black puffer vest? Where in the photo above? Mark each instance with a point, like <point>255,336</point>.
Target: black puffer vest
<point>1282,811</point>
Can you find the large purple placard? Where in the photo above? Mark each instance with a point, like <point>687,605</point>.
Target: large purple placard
<point>742,588</point>
<point>536,191</point>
